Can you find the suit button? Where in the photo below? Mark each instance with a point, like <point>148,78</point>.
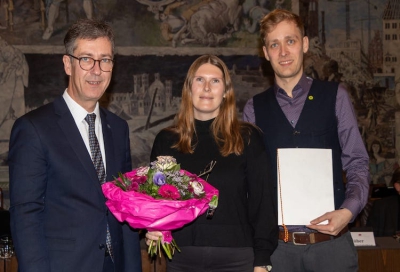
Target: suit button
<point>101,246</point>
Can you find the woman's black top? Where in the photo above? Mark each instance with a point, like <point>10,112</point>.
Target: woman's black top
<point>246,215</point>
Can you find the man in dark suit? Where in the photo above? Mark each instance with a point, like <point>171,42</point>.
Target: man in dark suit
<point>59,220</point>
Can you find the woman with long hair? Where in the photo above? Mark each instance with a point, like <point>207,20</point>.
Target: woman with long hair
<point>243,232</point>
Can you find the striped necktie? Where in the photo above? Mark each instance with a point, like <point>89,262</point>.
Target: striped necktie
<point>98,164</point>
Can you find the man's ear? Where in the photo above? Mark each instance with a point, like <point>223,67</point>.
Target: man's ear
<point>67,64</point>
<point>265,53</point>
<point>306,44</point>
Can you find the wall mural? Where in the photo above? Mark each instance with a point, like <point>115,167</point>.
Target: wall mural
<point>352,41</point>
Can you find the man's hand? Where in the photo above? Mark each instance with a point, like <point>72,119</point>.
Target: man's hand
<point>259,269</point>
<point>337,220</point>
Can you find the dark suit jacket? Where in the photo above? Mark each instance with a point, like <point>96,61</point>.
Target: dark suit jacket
<point>58,211</point>
<point>384,215</point>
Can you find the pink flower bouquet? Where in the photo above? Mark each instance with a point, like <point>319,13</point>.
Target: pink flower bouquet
<point>161,197</point>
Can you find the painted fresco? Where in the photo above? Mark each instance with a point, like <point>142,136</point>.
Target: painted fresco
<point>140,85</point>
<point>159,23</point>
<point>362,37</point>
<point>351,41</point>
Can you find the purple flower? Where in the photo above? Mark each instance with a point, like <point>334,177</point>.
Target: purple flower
<point>159,179</point>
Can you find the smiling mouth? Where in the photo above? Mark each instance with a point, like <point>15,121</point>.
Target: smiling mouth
<point>285,62</point>
<point>94,82</point>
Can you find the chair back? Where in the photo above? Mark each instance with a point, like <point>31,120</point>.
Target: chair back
<point>1,199</point>
<point>4,218</point>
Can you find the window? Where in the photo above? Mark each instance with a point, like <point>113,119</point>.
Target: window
<point>387,25</point>
<point>394,37</point>
<point>394,25</point>
<point>387,37</point>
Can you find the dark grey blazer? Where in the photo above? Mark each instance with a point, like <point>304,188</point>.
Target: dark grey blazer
<point>58,211</point>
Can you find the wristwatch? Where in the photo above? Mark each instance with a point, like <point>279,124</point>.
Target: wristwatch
<point>267,267</point>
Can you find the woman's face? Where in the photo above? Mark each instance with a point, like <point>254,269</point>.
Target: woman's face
<point>207,92</point>
<point>375,148</point>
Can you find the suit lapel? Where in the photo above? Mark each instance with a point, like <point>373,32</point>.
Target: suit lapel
<point>69,128</point>
<point>108,145</point>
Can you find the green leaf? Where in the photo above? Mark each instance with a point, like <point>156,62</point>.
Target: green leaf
<point>119,183</point>
<point>175,245</point>
<point>167,250</point>
<point>214,202</point>
<point>150,249</point>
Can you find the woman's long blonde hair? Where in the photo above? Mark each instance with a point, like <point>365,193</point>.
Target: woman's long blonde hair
<point>226,127</point>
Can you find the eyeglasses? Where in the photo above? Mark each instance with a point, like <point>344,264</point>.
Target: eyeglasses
<point>87,63</point>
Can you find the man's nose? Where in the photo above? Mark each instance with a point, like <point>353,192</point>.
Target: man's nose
<point>96,67</point>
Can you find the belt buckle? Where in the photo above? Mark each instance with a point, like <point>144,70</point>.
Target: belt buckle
<point>294,239</point>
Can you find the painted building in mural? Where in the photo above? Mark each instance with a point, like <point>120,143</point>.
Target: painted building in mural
<point>350,47</point>
<point>391,60</point>
<point>145,97</point>
<point>155,98</point>
<point>391,38</point>
<point>375,53</point>
<point>353,63</point>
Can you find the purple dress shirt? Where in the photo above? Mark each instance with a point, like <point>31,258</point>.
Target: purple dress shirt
<point>354,156</point>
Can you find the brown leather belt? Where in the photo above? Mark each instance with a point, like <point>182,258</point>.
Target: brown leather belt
<point>309,238</point>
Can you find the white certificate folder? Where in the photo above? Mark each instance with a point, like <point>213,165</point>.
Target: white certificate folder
<point>305,184</point>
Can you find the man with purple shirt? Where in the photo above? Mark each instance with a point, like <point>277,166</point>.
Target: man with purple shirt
<point>302,112</point>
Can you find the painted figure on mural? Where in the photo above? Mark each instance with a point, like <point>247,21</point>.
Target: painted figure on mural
<point>155,6</point>
<point>14,72</point>
<point>214,23</point>
<point>208,22</point>
<point>377,162</point>
<point>318,65</point>
<point>253,12</point>
<point>53,10</point>
<point>382,164</point>
<point>174,26</point>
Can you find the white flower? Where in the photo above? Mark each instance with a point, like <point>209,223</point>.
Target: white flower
<point>165,162</point>
<point>198,188</point>
<point>142,171</point>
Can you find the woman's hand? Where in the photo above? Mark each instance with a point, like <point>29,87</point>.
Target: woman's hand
<point>152,235</point>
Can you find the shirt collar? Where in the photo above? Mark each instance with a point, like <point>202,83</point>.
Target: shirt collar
<point>304,85</point>
<point>77,111</point>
